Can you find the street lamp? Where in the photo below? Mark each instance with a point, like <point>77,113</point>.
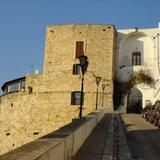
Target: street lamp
<point>103,88</point>
<point>84,64</point>
<point>98,79</point>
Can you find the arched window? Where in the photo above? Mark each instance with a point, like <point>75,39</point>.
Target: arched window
<point>136,58</point>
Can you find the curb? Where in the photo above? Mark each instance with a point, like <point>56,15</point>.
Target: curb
<point>121,149</point>
<point>108,149</point>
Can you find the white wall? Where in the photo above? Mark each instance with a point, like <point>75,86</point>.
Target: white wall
<point>141,40</point>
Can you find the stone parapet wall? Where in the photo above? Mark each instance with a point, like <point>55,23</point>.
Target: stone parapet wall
<point>33,115</point>
<point>61,144</point>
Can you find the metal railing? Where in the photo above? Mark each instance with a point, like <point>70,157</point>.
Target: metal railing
<point>127,62</point>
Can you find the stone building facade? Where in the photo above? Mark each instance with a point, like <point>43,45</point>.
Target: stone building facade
<point>38,104</point>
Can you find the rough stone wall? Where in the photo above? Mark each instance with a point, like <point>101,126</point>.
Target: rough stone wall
<point>99,46</point>
<point>31,113</point>
<point>26,116</point>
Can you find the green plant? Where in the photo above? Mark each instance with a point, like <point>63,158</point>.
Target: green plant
<point>142,76</point>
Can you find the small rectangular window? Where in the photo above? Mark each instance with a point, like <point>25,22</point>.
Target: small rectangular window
<point>136,58</point>
<point>7,134</point>
<point>76,98</point>
<point>35,133</point>
<point>79,49</point>
<point>76,69</point>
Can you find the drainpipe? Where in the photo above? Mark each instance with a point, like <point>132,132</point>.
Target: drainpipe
<point>157,37</point>
<point>158,52</point>
<point>158,60</point>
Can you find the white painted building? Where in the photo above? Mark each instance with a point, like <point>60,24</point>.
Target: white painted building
<point>139,49</point>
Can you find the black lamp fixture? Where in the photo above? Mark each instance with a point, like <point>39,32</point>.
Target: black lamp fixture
<point>98,79</point>
<point>84,65</point>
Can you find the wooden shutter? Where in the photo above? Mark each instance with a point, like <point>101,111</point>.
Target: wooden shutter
<point>74,69</point>
<point>79,48</point>
<point>72,98</point>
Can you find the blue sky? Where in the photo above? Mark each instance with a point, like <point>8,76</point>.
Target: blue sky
<point>23,24</point>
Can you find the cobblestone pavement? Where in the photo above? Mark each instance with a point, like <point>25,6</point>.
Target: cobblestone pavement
<point>143,138</point>
<point>94,146</point>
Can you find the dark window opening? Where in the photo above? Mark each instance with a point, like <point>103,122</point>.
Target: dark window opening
<point>30,90</point>
<point>79,48</point>
<point>76,98</point>
<point>76,69</point>
<point>7,134</point>
<point>136,58</point>
<point>35,133</point>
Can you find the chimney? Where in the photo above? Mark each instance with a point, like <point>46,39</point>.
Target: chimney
<point>36,71</point>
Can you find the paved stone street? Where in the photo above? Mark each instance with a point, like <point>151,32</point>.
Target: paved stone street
<point>94,146</point>
<point>143,140</point>
<point>143,137</point>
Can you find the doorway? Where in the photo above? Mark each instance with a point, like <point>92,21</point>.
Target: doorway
<point>134,101</point>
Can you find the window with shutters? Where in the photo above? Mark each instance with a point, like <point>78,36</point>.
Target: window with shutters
<point>136,58</point>
<point>76,98</point>
<point>76,69</point>
<point>79,49</point>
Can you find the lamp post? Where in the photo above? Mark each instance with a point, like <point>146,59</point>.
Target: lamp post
<point>84,64</point>
<point>98,79</point>
<point>103,88</point>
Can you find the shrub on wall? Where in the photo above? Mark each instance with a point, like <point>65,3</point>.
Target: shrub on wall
<point>122,88</point>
